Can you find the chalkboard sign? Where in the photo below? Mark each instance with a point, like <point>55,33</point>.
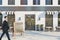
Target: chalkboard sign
<point>18,27</point>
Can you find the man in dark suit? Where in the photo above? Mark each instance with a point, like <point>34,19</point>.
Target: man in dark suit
<point>5,28</point>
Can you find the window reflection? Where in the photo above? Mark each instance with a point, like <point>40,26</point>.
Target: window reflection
<point>48,2</point>
<point>0,2</point>
<point>11,2</point>
<point>23,2</point>
<point>36,2</point>
<point>58,2</point>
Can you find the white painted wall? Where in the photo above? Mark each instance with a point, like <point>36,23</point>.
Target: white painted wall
<point>30,2</point>
<point>3,14</point>
<point>42,2</point>
<point>42,18</point>
<point>21,15</point>
<point>4,2</point>
<point>37,15</point>
<point>17,2</point>
<point>55,20</point>
<point>55,2</point>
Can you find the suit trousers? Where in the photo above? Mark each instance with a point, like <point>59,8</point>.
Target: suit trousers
<point>7,34</point>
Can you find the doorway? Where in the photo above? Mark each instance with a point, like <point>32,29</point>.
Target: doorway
<point>49,21</point>
<point>11,19</point>
<point>0,19</point>
<point>59,20</point>
<point>30,21</point>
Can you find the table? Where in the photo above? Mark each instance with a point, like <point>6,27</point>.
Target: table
<point>48,28</point>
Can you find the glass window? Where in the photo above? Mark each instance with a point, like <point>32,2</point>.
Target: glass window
<point>0,2</point>
<point>49,20</point>
<point>0,19</point>
<point>11,19</point>
<point>11,2</point>
<point>36,2</point>
<point>58,2</point>
<point>48,2</point>
<point>59,19</point>
<point>23,2</point>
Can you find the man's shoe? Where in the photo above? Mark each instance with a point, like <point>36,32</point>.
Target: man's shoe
<point>0,38</point>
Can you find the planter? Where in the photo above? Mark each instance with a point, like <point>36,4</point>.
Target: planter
<point>37,27</point>
<point>41,27</point>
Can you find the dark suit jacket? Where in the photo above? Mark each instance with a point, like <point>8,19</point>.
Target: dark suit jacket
<point>5,26</point>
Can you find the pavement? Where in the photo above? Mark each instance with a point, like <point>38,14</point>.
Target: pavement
<point>34,35</point>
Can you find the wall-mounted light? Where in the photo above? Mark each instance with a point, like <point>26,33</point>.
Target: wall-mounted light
<point>19,18</point>
<point>38,18</point>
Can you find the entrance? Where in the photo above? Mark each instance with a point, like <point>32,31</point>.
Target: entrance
<point>49,21</point>
<point>30,21</point>
<point>11,19</point>
<point>59,20</point>
<point>0,19</point>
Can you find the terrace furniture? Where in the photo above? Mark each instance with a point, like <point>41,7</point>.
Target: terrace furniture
<point>37,27</point>
<point>11,30</point>
<point>57,28</point>
<point>48,28</point>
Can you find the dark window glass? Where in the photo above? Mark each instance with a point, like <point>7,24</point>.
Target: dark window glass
<point>0,19</point>
<point>49,20</point>
<point>36,2</point>
<point>11,2</point>
<point>48,2</point>
<point>58,2</point>
<point>0,2</point>
<point>23,2</point>
<point>11,19</point>
<point>59,19</point>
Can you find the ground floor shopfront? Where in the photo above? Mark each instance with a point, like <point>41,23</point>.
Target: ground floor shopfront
<point>30,19</point>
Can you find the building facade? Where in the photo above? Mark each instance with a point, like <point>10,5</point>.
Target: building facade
<point>31,13</point>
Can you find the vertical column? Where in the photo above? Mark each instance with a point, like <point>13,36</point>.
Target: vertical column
<point>44,21</point>
<point>55,2</point>
<point>41,21</point>
<point>4,2</point>
<point>4,13</point>
<point>17,2</point>
<point>30,2</point>
<point>55,20</point>
<point>42,2</point>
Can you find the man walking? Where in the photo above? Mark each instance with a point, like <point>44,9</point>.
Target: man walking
<point>5,28</point>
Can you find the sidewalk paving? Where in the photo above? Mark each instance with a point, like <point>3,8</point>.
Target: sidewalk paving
<point>35,35</point>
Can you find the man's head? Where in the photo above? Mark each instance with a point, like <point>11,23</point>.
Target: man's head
<point>5,18</point>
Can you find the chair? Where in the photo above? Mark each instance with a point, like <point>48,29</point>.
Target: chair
<point>48,28</point>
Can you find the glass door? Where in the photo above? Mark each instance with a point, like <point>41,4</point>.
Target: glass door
<point>11,19</point>
<point>0,19</point>
<point>59,20</point>
<point>49,21</point>
<point>29,21</point>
